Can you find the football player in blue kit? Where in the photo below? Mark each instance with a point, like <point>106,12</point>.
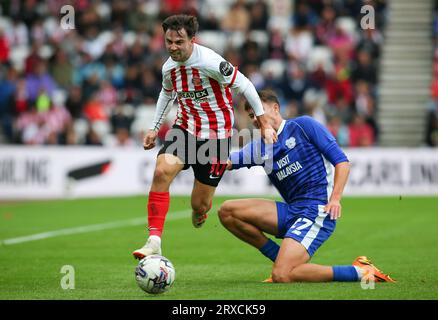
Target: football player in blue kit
<point>309,170</point>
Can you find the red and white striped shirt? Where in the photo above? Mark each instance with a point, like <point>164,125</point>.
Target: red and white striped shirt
<point>202,85</point>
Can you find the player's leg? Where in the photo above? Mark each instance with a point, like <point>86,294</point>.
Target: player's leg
<point>166,169</point>
<point>305,229</point>
<point>306,232</point>
<point>248,219</point>
<point>172,158</point>
<point>209,169</point>
<point>291,265</point>
<point>201,201</point>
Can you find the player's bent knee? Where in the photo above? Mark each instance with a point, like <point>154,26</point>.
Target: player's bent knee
<point>222,214</point>
<point>161,175</point>
<point>281,276</point>
<point>225,211</point>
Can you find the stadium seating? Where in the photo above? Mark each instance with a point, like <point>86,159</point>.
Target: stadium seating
<point>285,45</point>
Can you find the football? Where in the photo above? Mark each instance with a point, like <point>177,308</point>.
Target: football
<point>155,274</point>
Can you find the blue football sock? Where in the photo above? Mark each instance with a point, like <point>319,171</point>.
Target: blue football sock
<point>270,250</point>
<point>345,273</point>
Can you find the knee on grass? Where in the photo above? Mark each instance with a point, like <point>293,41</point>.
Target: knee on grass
<point>284,276</point>
<point>280,277</point>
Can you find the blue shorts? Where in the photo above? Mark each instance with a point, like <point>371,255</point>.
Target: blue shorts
<point>307,224</point>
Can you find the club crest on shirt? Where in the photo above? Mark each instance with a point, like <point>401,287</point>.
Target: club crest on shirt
<point>291,143</point>
<point>197,81</point>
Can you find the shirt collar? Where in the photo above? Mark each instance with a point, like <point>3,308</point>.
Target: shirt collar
<point>280,129</point>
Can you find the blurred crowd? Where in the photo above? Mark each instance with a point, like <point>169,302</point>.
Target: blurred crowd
<point>97,84</point>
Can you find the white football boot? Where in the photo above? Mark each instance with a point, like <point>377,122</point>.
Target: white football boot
<point>152,246</point>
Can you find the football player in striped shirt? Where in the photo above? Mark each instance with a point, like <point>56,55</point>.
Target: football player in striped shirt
<point>201,81</point>
<point>309,170</point>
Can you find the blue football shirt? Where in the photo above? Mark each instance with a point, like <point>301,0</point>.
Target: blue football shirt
<point>300,164</point>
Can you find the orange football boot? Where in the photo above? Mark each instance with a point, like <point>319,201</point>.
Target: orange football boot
<point>371,270</point>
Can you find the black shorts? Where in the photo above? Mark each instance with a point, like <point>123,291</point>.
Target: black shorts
<point>207,157</point>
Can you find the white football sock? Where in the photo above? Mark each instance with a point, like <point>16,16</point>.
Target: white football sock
<point>360,272</point>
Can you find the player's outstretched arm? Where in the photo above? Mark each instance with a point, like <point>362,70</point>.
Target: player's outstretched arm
<point>244,86</point>
<point>334,208</point>
<point>248,156</point>
<point>225,73</point>
<point>164,104</point>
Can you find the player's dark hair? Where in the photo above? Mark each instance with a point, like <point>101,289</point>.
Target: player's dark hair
<point>266,95</point>
<point>181,21</point>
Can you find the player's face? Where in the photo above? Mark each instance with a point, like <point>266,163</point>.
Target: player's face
<point>178,44</point>
<point>271,113</point>
<point>253,119</point>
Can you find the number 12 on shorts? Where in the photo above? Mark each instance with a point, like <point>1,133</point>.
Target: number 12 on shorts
<point>297,228</point>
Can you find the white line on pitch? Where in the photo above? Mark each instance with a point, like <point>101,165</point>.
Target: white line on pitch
<point>91,228</point>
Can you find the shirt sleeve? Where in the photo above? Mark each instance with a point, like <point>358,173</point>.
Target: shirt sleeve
<point>220,69</point>
<point>248,156</point>
<point>228,75</point>
<point>253,97</point>
<point>167,82</point>
<point>324,141</point>
<point>164,104</point>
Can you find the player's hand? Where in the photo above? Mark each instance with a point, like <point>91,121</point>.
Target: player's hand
<point>149,139</point>
<point>334,209</point>
<point>269,135</point>
<point>229,165</point>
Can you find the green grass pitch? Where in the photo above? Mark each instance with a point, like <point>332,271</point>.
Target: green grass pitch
<point>399,234</point>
